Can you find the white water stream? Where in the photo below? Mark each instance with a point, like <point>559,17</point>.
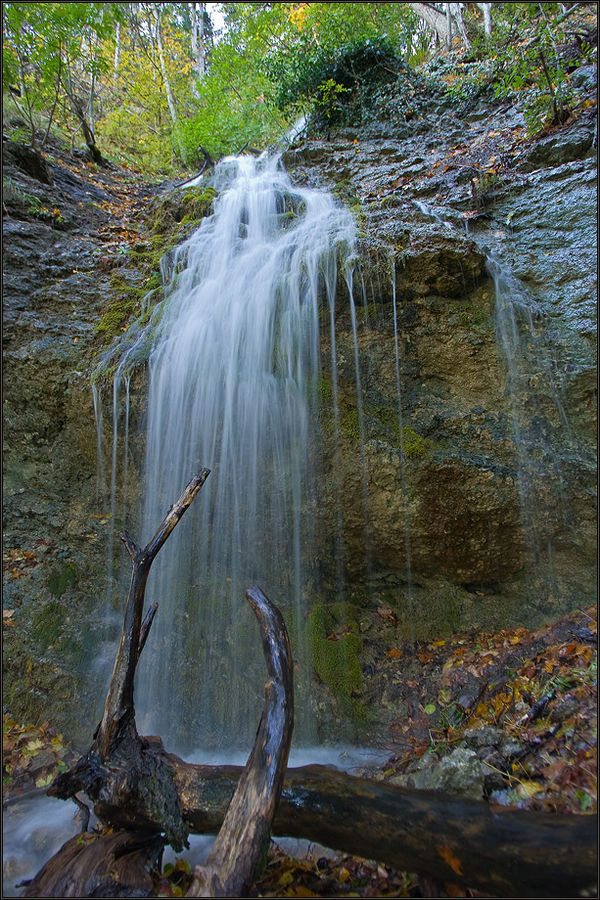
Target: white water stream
<point>234,386</point>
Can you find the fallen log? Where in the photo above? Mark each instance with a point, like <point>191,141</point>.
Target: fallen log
<point>503,852</point>
<point>136,786</point>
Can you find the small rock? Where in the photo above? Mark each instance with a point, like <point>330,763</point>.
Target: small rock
<point>484,737</point>
<point>460,773</point>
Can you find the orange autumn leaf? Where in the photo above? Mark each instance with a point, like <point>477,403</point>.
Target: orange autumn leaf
<point>449,857</point>
<point>394,653</point>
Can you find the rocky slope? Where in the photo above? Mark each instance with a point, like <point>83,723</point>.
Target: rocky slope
<point>62,241</point>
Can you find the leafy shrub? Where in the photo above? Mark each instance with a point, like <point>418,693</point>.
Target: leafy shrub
<point>341,84</point>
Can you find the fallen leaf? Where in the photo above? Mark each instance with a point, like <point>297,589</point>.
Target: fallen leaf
<point>448,856</point>
<point>394,653</point>
<point>386,612</point>
<point>527,789</point>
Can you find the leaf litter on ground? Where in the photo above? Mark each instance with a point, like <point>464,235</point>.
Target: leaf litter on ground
<point>533,692</point>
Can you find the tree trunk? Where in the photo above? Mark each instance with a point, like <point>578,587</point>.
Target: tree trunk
<point>486,9</point>
<point>507,853</point>
<point>77,107</point>
<point>117,58</point>
<point>435,19</point>
<point>163,66</point>
<point>197,17</point>
<point>458,18</point>
<point>448,14</point>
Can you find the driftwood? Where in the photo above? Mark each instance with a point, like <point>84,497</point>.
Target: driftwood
<point>100,865</point>
<point>243,839</point>
<point>506,853</point>
<point>130,779</point>
<point>140,789</point>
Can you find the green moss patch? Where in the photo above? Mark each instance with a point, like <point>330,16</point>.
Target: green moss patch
<point>116,316</point>
<point>335,651</point>
<point>62,579</point>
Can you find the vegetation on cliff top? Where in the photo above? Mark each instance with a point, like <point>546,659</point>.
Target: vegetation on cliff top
<point>161,87</point>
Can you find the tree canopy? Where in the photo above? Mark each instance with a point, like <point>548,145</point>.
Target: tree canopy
<point>159,85</point>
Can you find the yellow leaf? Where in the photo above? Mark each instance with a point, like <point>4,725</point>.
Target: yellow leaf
<point>527,789</point>
<point>438,643</point>
<point>44,780</point>
<point>449,857</point>
<point>343,874</point>
<point>286,878</point>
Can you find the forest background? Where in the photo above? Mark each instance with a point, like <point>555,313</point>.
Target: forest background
<point>160,88</point>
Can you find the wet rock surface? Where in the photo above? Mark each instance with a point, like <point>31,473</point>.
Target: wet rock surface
<point>57,262</point>
<point>477,467</point>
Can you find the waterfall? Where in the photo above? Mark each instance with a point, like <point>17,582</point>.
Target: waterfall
<point>234,386</point>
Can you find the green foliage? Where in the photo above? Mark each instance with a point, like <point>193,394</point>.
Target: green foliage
<point>339,84</point>
<point>47,48</point>
<point>131,71</point>
<point>229,119</point>
<point>530,51</point>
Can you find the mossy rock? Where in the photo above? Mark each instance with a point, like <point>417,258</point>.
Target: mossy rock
<point>61,579</point>
<point>182,206</point>
<point>380,422</point>
<point>335,647</point>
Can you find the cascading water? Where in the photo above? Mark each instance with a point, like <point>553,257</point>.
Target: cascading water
<point>234,386</point>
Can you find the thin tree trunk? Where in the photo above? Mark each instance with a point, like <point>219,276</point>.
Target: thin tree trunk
<point>448,13</point>
<point>486,9</point>
<point>199,64</point>
<point>458,18</point>
<point>57,92</point>
<point>163,66</point>
<point>434,18</point>
<point>117,58</point>
<point>77,108</point>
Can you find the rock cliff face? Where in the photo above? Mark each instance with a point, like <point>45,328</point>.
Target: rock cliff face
<point>463,464</point>
<point>467,468</point>
<point>60,256</point>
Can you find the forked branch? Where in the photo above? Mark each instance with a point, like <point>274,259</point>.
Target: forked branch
<point>118,708</point>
